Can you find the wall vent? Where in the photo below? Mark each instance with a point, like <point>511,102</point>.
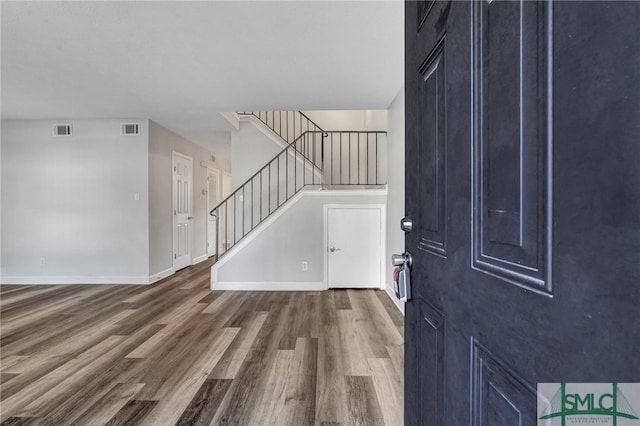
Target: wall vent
<point>62,130</point>
<point>130,129</point>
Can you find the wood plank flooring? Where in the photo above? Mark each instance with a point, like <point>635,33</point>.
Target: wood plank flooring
<point>177,353</point>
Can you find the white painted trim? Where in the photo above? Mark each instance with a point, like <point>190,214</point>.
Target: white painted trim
<point>227,175</point>
<point>263,128</point>
<point>211,249</point>
<point>199,259</point>
<point>162,274</point>
<point>383,233</point>
<point>349,193</point>
<point>392,295</point>
<point>62,280</point>
<point>268,286</point>
<point>281,210</point>
<point>232,118</point>
<point>271,134</point>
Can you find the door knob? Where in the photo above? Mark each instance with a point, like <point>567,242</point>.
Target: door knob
<point>190,217</point>
<point>401,259</point>
<point>332,249</point>
<point>397,259</point>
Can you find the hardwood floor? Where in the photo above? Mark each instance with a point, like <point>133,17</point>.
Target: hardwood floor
<point>177,353</point>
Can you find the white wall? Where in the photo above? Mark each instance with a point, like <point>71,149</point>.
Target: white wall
<point>355,120</point>
<point>376,119</point>
<point>219,144</point>
<point>162,143</point>
<point>276,254</point>
<point>251,149</point>
<point>395,186</point>
<point>69,211</point>
<point>0,200</point>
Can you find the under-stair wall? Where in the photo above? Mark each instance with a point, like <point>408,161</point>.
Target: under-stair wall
<point>270,258</point>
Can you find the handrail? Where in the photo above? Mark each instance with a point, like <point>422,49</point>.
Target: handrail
<point>286,121</point>
<point>265,167</point>
<point>310,120</point>
<point>314,157</point>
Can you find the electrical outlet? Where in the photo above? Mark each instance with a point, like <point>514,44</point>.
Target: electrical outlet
<point>305,266</point>
<point>42,261</point>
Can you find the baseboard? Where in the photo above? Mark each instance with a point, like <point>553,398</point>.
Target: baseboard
<point>62,280</point>
<point>162,274</point>
<point>392,295</point>
<point>199,259</point>
<point>268,286</point>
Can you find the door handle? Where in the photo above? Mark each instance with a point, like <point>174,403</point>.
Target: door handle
<point>332,249</point>
<point>401,259</point>
<point>190,217</point>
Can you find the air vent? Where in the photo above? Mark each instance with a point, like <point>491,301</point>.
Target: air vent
<point>130,129</point>
<point>62,130</point>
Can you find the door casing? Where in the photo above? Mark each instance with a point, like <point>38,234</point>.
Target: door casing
<point>211,242</point>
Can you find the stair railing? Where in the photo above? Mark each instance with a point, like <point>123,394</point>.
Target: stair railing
<point>288,125</point>
<point>315,158</point>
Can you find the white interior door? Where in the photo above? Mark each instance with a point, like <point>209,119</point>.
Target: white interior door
<point>182,210</point>
<point>354,247</point>
<point>213,198</point>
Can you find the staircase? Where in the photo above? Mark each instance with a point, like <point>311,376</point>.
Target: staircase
<point>313,157</point>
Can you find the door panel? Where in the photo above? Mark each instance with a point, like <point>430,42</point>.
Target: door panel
<point>511,193</point>
<point>499,395</point>
<point>354,247</point>
<point>182,210</point>
<point>432,162</point>
<point>523,186</point>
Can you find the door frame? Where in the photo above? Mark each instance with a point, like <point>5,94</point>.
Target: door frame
<point>175,154</point>
<point>211,251</point>
<point>224,175</point>
<point>383,237</point>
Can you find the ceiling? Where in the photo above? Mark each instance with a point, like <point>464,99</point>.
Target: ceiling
<point>181,63</point>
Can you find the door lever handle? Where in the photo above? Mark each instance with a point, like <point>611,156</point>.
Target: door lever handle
<point>190,217</point>
<point>332,249</point>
